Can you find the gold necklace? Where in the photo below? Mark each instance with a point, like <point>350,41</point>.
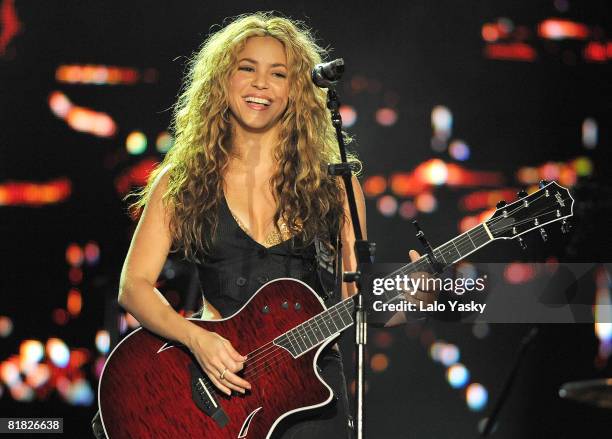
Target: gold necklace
<point>274,237</point>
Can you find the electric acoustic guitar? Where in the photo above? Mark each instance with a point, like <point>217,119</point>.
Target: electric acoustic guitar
<point>154,388</point>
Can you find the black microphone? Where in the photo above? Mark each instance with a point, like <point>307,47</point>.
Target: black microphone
<point>327,74</point>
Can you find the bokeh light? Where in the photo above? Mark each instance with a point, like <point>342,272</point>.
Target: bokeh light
<point>98,366</point>
<point>441,122</point>
<point>457,376</point>
<point>448,354</point>
<point>386,116</point>
<point>459,150</point>
<point>589,133</point>
<point>74,255</point>
<point>379,362</point>
<point>426,202</point>
<point>476,396</point>
<point>30,352</point>
<point>92,253</point>
<point>60,104</point>
<point>103,341</point>
<point>80,393</point>
<point>583,166</point>
<point>374,185</point>
<point>75,275</point>
<point>519,273</point>
<point>6,326</point>
<point>567,176</point>
<point>58,352</point>
<point>407,210</point>
<point>559,29</point>
<point>38,375</point>
<point>35,194</point>
<point>74,302</point>
<point>387,205</point>
<point>80,118</point>
<point>9,372</point>
<point>550,171</point>
<point>60,316</point>
<point>383,339</point>
<point>349,115</point>
<point>22,392</point>
<point>164,142</point>
<point>96,74</point>
<point>136,143</point>
<point>434,171</point>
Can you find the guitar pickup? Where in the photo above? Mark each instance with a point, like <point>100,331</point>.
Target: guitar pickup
<point>205,399</point>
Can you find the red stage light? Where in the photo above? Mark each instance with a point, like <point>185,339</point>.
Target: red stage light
<point>510,52</point>
<point>598,52</point>
<point>34,194</point>
<point>10,24</point>
<point>556,29</point>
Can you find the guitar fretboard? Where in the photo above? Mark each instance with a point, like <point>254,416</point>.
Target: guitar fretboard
<point>446,254</point>
<point>337,318</point>
<point>317,329</point>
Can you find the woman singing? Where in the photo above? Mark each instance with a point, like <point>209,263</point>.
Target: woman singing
<point>243,193</point>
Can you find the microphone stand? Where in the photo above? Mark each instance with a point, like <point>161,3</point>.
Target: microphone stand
<point>487,424</point>
<point>364,253</point>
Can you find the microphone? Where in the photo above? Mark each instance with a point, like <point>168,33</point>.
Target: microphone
<point>327,74</point>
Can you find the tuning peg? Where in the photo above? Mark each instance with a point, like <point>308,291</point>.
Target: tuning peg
<point>521,194</point>
<point>543,234</point>
<point>501,204</point>
<point>522,243</point>
<point>565,226</point>
<point>543,183</point>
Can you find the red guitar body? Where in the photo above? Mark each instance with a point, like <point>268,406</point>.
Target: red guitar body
<point>146,386</point>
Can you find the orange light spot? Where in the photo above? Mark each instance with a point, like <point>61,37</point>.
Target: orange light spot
<point>489,32</point>
<point>374,185</point>
<point>74,255</point>
<point>74,302</point>
<point>379,362</point>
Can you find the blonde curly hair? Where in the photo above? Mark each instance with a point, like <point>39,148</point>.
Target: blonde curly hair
<point>309,202</point>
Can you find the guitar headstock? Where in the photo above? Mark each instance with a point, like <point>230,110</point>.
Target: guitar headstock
<point>549,204</point>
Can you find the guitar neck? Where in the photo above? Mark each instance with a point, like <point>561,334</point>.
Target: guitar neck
<point>447,254</point>
<point>339,317</point>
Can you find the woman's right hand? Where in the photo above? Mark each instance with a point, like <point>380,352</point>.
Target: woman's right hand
<point>218,359</point>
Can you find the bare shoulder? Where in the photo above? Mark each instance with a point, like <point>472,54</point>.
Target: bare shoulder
<point>159,185</point>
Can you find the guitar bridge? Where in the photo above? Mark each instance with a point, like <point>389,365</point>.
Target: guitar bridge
<point>204,398</point>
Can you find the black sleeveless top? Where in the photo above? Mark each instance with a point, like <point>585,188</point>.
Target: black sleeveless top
<point>237,266</point>
<point>233,270</point>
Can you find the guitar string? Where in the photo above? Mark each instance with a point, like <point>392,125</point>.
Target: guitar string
<point>302,330</point>
<point>255,372</point>
<point>279,349</point>
<point>538,214</point>
<point>478,234</point>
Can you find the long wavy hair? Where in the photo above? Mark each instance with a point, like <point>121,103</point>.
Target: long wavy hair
<point>309,201</point>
